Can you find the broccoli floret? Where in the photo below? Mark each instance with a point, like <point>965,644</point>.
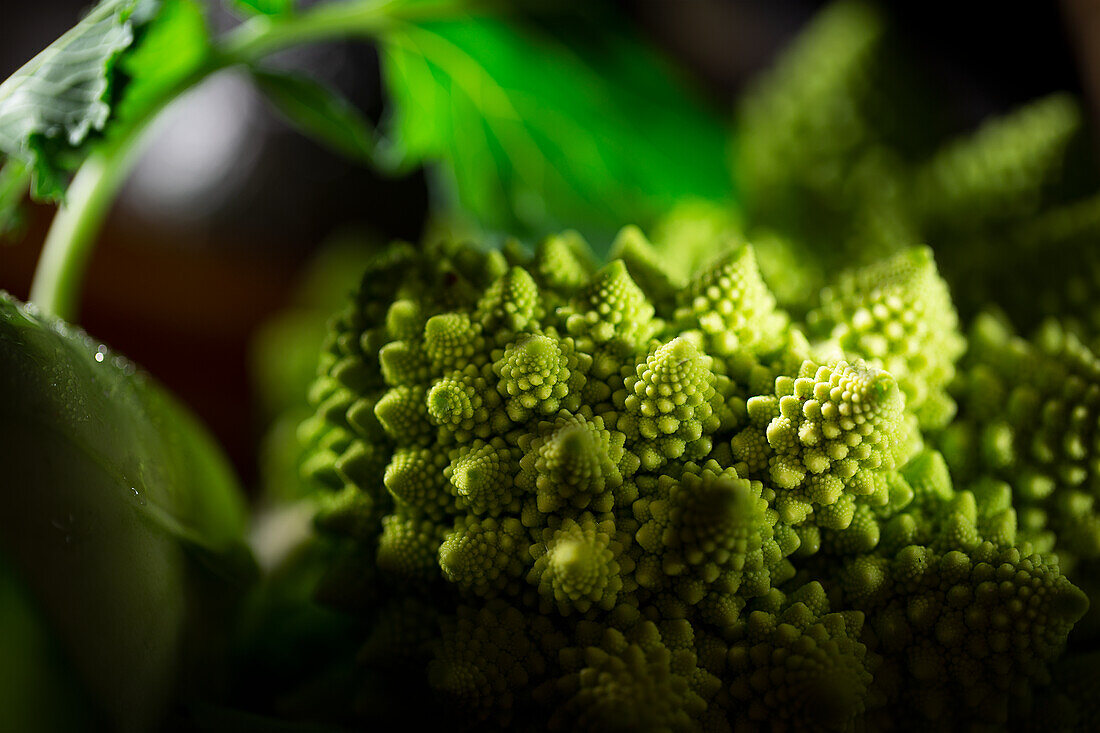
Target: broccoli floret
<point>1028,420</point>
<point>843,161</point>
<point>634,501</point>
<point>897,314</point>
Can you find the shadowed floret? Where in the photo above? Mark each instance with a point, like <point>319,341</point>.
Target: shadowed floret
<point>510,305</point>
<point>564,262</point>
<point>452,341</point>
<point>610,308</point>
<point>1030,417</point>
<point>482,556</point>
<point>800,668</point>
<point>481,476</point>
<point>630,682</point>
<point>825,434</point>
<point>486,659</point>
<point>897,315</point>
<point>574,461</point>
<point>402,412</point>
<point>415,478</point>
<point>578,565</point>
<point>408,546</point>
<point>711,540</point>
<point>405,631</point>
<point>964,633</point>
<point>645,265</point>
<point>1030,420</point>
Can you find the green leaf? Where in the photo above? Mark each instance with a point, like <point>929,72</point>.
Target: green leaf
<point>115,508</point>
<point>37,688</point>
<point>537,130</point>
<point>14,178</point>
<point>263,7</point>
<point>319,112</point>
<point>52,104</point>
<point>169,50</point>
<point>121,62</point>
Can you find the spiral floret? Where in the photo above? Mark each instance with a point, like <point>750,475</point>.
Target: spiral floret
<point>614,498</point>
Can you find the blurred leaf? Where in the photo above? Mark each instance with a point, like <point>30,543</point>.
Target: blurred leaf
<point>319,112</point>
<point>284,354</point>
<point>537,130</point>
<point>284,350</point>
<point>262,7</point>
<point>175,45</point>
<point>309,672</point>
<point>59,97</point>
<point>111,493</point>
<point>14,178</point>
<point>691,233</point>
<point>37,687</point>
<point>118,63</point>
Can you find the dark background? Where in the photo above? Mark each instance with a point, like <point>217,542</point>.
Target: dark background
<point>185,272</point>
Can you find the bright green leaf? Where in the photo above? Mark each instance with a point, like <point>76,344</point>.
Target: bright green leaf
<point>262,7</point>
<point>57,99</point>
<point>115,507</point>
<point>537,130</point>
<point>319,111</point>
<point>175,45</point>
<point>121,62</point>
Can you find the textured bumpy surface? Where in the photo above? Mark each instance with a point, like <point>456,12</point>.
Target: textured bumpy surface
<point>585,497</point>
<point>844,160</point>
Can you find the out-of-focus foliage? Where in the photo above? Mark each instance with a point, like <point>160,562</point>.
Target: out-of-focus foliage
<point>104,75</point>
<point>528,117</point>
<point>37,686</point>
<point>60,97</point>
<point>840,159</point>
<point>173,45</point>
<point>541,126</point>
<point>318,111</point>
<point>262,7</point>
<point>121,528</point>
<point>284,360</point>
<point>14,179</point>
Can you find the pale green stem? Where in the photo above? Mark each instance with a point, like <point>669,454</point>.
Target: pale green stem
<point>68,246</point>
<point>264,34</point>
<point>75,228</point>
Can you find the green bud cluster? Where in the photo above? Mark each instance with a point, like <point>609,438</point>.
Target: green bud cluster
<point>613,498</point>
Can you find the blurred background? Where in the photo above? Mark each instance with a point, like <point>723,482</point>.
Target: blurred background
<point>235,234</point>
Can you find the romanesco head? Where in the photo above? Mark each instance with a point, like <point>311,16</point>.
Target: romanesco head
<point>614,498</point>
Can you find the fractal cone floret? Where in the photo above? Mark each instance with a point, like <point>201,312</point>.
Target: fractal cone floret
<point>599,497</point>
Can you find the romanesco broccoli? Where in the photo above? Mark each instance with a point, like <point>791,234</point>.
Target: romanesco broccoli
<point>613,497</point>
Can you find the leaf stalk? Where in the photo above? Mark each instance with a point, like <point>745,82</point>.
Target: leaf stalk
<point>76,226</point>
